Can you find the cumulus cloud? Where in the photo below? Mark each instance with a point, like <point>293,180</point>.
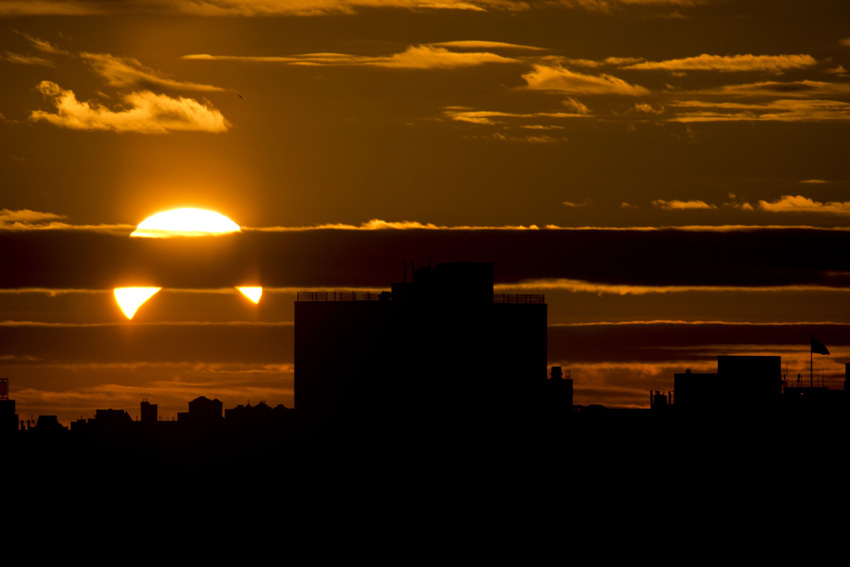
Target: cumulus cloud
<point>559,79</point>
<point>682,205</point>
<point>143,112</point>
<point>414,57</point>
<point>646,108</point>
<point>129,72</point>
<point>801,204</point>
<point>775,111</point>
<point>730,63</point>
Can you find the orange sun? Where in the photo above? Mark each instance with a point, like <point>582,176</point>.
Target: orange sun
<point>185,222</point>
<point>131,298</point>
<point>174,223</point>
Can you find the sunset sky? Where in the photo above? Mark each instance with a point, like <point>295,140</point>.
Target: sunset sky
<point>672,174</point>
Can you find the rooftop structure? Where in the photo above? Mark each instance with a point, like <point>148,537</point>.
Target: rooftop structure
<point>435,350</point>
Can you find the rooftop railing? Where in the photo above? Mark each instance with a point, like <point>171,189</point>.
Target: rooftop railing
<point>536,298</point>
<point>317,296</point>
<point>338,296</point>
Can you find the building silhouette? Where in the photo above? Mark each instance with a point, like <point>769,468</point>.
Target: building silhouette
<point>437,353</point>
<point>8,417</point>
<point>741,383</point>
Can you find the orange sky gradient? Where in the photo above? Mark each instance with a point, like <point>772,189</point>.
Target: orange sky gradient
<point>670,173</point>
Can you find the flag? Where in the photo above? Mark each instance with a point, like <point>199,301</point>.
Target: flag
<point>818,346</point>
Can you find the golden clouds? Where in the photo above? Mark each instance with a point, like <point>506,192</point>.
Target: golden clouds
<point>560,79</point>
<point>729,63</point>
<point>414,57</point>
<point>777,111</point>
<point>10,219</point>
<point>682,205</point>
<point>144,112</point>
<point>792,89</point>
<point>253,8</point>
<point>801,204</point>
<point>129,72</point>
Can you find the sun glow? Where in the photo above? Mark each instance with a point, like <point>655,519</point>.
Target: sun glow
<point>131,298</point>
<point>185,222</point>
<point>252,293</point>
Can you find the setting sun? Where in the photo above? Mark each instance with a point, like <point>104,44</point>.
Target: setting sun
<point>131,298</point>
<point>253,293</point>
<point>185,222</point>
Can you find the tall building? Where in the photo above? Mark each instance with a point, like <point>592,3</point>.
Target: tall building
<point>438,351</point>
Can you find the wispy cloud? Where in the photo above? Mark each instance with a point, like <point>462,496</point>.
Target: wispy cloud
<point>464,114</point>
<point>144,112</point>
<point>775,111</point>
<point>26,220</point>
<point>427,56</point>
<point>559,79</point>
<point>129,72</point>
<point>583,286</point>
<point>49,8</point>
<point>252,8</point>
<point>790,89</point>
<point>26,59</point>
<point>377,224</point>
<point>730,63</point>
<point>472,44</point>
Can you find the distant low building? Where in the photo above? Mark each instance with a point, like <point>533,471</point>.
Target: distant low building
<point>740,383</point>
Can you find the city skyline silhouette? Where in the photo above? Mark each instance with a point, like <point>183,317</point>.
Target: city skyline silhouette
<point>669,174</point>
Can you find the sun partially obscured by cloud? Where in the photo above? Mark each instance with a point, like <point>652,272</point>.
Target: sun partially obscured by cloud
<point>560,79</point>
<point>144,112</point>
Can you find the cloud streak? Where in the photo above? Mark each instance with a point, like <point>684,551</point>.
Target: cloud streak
<point>730,63</point>
<point>252,8</point>
<point>426,56</point>
<point>129,72</point>
<point>144,112</point>
<point>775,111</point>
<point>559,79</point>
